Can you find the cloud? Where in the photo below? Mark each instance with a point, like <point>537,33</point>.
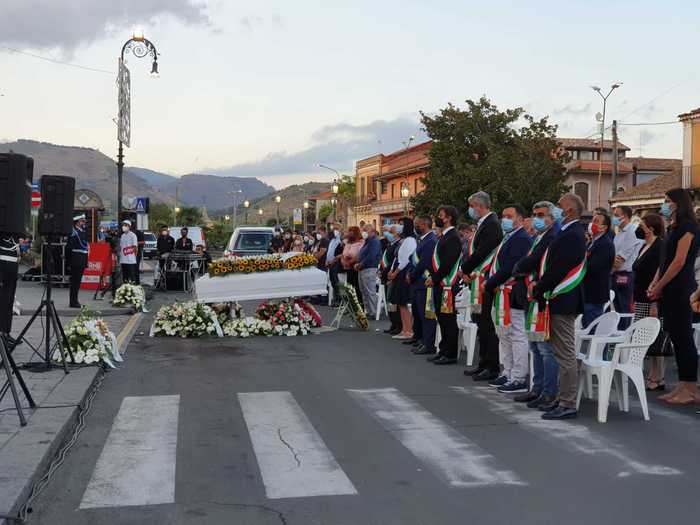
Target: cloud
<point>338,145</point>
<point>65,24</point>
<point>570,109</point>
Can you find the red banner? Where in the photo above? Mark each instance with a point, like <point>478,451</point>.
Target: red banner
<point>99,266</point>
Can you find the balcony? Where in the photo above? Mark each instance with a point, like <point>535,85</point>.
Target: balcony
<point>363,200</point>
<point>391,206</point>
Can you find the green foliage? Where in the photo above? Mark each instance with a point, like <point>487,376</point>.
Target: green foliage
<point>480,148</point>
<point>325,211</point>
<point>218,235</point>
<point>346,187</point>
<point>189,216</point>
<point>159,214</point>
<point>271,222</point>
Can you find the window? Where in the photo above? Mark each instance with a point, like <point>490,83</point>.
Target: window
<point>415,187</point>
<point>581,189</point>
<point>573,153</point>
<point>393,188</point>
<point>586,155</point>
<point>646,176</point>
<point>362,187</point>
<point>382,186</point>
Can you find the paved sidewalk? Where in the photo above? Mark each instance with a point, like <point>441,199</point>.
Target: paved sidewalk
<point>26,451</point>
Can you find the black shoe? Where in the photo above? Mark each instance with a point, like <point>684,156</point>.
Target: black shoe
<point>395,331</point>
<point>561,413</point>
<point>433,357</point>
<point>473,371</point>
<point>389,330</point>
<point>499,381</point>
<point>485,375</point>
<point>417,343</point>
<point>410,342</point>
<point>424,350</point>
<point>534,403</point>
<point>443,360</point>
<point>74,305</point>
<point>547,403</point>
<point>526,397</point>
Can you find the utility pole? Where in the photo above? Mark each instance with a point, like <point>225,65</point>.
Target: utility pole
<point>614,162</point>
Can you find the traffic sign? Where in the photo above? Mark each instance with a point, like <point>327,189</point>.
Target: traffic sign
<point>141,204</point>
<point>36,196</point>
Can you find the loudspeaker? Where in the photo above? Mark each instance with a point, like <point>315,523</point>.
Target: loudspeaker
<point>16,173</point>
<point>56,213</point>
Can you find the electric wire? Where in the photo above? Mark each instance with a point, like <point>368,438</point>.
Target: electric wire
<point>56,61</point>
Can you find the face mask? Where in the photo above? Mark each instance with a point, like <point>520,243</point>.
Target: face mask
<point>336,234</point>
<point>473,214</point>
<point>164,234</point>
<point>506,225</point>
<point>318,236</point>
<point>399,228</point>
<point>440,223</point>
<point>593,229</point>
<point>125,229</point>
<point>287,236</point>
<point>640,233</point>
<point>389,236</point>
<point>616,220</point>
<point>557,212</point>
<point>666,210</point>
<point>539,224</point>
<point>365,235</point>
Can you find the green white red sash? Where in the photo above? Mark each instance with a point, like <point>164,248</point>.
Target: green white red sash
<point>415,260</point>
<point>447,283</point>
<point>384,263</point>
<point>476,297</point>
<point>501,298</point>
<point>537,322</point>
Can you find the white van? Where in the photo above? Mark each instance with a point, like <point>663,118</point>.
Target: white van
<point>194,233</point>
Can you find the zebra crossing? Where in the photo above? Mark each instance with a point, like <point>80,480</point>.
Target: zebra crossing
<point>138,462</point>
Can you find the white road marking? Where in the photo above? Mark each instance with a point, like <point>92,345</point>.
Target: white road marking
<point>293,459</point>
<point>567,434</point>
<point>137,464</point>
<point>446,451</point>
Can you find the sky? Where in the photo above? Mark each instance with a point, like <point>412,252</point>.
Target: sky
<point>271,88</point>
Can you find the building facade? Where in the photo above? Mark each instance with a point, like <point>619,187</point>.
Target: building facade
<point>691,148</point>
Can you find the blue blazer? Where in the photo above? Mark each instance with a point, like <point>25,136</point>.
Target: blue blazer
<point>514,249</point>
<point>527,265</point>
<point>424,252</point>
<point>566,250</point>
<point>596,284</point>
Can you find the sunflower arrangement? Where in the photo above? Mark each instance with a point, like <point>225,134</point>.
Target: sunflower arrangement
<point>260,264</point>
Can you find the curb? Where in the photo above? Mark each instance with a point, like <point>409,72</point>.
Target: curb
<point>63,430</point>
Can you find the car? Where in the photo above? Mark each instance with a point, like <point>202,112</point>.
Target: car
<point>150,248</point>
<point>194,233</point>
<point>249,241</point>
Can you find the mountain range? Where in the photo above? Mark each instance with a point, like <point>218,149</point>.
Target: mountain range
<point>96,171</point>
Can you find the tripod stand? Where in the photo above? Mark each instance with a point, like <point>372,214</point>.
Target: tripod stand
<point>8,364</point>
<point>52,323</point>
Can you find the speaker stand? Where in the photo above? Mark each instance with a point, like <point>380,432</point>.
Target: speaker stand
<point>10,367</point>
<point>53,325</point>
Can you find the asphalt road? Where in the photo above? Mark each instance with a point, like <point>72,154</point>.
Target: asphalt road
<point>349,428</point>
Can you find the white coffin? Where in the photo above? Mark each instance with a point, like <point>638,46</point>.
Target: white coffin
<point>267,285</point>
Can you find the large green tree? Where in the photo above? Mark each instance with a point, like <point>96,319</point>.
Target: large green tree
<point>508,154</point>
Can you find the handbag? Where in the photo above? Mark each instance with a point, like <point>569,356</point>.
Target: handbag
<point>661,347</point>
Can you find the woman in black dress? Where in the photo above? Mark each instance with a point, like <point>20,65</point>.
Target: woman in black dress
<point>674,283</point>
<point>645,267</point>
<point>400,293</point>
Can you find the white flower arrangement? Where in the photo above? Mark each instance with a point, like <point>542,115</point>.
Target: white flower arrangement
<point>247,327</point>
<point>129,294</point>
<point>91,341</point>
<point>188,319</point>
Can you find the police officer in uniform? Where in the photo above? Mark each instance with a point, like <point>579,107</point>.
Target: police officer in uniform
<point>9,266</point>
<point>78,253</point>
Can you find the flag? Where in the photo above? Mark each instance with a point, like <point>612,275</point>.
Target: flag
<point>36,195</point>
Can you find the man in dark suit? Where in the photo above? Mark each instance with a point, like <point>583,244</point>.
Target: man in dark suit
<point>600,260</point>
<point>443,280</point>
<point>390,234</point>
<point>513,344</point>
<point>487,237</point>
<point>421,263</point>
<point>561,286</point>
<point>545,378</point>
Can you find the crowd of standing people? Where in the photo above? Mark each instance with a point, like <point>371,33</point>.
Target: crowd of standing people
<point>547,259</point>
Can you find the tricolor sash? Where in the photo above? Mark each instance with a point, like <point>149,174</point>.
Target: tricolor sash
<point>384,263</point>
<point>447,283</point>
<point>538,323</point>
<point>476,297</point>
<point>501,297</point>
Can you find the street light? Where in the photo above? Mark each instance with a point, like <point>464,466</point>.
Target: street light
<point>246,205</point>
<point>405,193</point>
<point>278,199</point>
<point>306,210</point>
<point>334,202</point>
<point>176,210</point>
<point>260,213</point>
<point>337,173</point>
<point>602,130</point>
<point>235,204</point>
<point>139,46</point>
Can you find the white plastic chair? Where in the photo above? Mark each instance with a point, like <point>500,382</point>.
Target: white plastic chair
<point>467,334</point>
<point>696,336</point>
<point>438,338</point>
<point>604,326</point>
<point>627,361</point>
<point>381,302</point>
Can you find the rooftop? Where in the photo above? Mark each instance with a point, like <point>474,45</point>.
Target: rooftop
<point>693,113</point>
<point>590,144</point>
<point>653,189</point>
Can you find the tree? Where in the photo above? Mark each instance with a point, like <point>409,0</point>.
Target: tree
<point>159,214</point>
<point>189,216</point>
<point>480,148</point>
<point>324,212</point>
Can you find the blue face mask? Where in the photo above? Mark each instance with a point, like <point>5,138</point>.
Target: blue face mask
<point>539,224</point>
<point>557,213</point>
<point>389,236</point>
<point>666,210</point>
<point>507,225</point>
<point>473,214</point>
<point>616,220</point>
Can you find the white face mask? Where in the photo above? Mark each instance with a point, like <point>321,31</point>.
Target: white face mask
<point>318,236</point>
<point>336,233</point>
<point>125,228</point>
<point>365,235</point>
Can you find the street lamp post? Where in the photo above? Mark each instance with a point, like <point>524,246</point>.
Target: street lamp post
<point>278,199</point>
<point>306,211</point>
<point>176,210</point>
<point>405,193</point>
<point>139,46</point>
<point>334,200</point>
<point>235,194</point>
<point>602,131</point>
<point>246,205</point>
<point>260,214</point>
